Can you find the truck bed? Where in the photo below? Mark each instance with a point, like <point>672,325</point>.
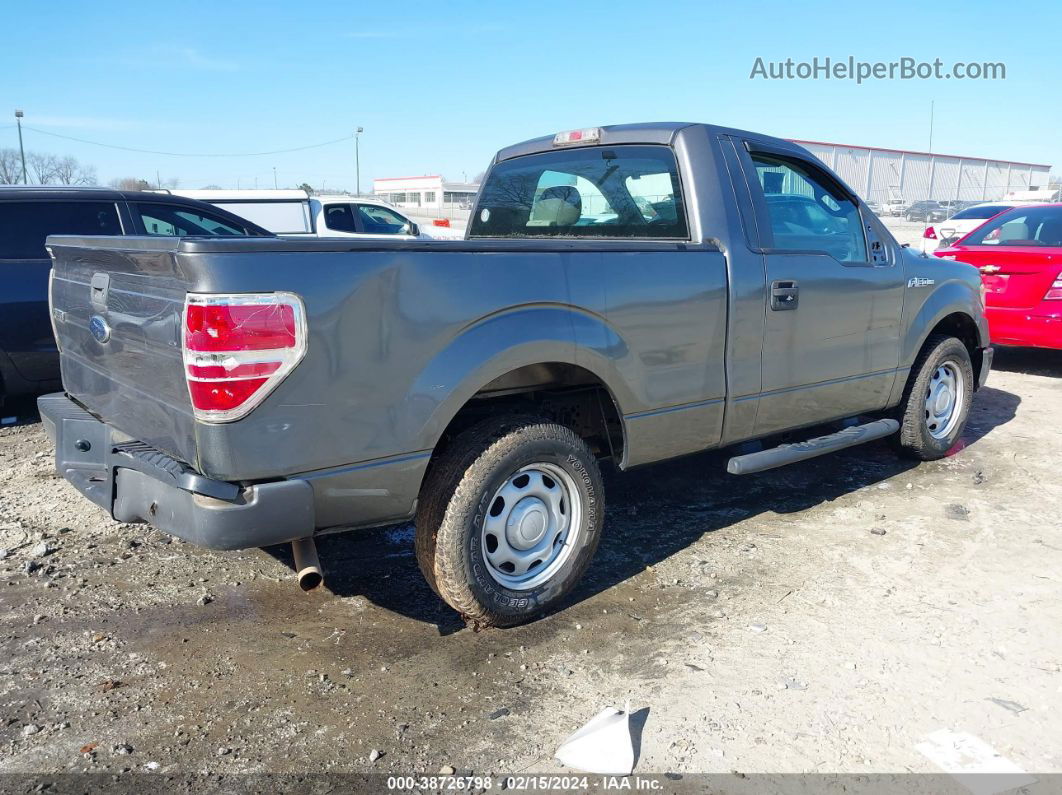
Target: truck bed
<point>397,332</point>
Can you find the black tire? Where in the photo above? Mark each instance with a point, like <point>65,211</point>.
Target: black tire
<point>915,438</point>
<point>460,489</point>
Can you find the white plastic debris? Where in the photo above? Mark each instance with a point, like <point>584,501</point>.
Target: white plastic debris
<point>603,745</point>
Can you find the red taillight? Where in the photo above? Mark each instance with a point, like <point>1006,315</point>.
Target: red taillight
<point>930,233</point>
<point>224,395</point>
<point>1054,292</point>
<point>237,348</point>
<point>240,327</point>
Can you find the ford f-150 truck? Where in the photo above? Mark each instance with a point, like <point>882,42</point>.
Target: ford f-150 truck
<point>635,292</point>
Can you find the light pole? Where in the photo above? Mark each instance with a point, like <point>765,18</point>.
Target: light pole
<point>21,151</point>
<point>274,177</point>
<point>357,157</point>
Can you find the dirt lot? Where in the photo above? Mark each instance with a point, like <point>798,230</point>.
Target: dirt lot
<point>823,617</point>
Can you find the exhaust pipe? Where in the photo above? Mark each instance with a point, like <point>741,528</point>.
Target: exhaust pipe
<point>307,566</point>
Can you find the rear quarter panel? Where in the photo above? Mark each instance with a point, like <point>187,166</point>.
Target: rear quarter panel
<point>399,339</point>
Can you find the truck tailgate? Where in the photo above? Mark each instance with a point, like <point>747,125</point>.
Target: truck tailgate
<point>117,307</point>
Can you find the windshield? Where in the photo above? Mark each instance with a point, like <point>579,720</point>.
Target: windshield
<point>1024,226</point>
<point>595,192</point>
<point>982,212</point>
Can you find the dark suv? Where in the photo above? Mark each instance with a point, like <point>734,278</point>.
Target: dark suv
<point>29,361</point>
<point>924,211</point>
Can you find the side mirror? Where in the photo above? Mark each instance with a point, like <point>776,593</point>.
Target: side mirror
<point>412,229</point>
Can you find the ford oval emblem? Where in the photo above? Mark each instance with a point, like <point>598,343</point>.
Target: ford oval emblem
<point>99,328</point>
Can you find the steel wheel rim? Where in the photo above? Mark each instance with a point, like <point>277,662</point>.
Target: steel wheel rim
<point>531,527</point>
<point>944,399</point>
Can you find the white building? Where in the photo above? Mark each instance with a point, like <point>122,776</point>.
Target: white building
<point>879,174</point>
<point>431,194</point>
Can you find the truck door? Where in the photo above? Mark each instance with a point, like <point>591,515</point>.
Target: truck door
<point>834,295</point>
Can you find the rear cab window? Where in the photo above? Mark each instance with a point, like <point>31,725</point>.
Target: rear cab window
<point>598,192</point>
<point>339,218</point>
<point>24,225</point>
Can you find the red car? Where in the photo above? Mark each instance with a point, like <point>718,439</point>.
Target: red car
<point>1019,254</point>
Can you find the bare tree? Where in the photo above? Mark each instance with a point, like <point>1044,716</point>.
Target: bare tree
<point>68,171</point>
<point>44,169</point>
<point>10,167</point>
<point>41,167</point>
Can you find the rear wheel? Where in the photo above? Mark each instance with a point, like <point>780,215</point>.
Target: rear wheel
<point>937,400</point>
<point>508,520</point>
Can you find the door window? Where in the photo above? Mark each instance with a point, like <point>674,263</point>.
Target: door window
<point>377,220</point>
<point>174,221</point>
<point>807,214</point>
<point>25,225</point>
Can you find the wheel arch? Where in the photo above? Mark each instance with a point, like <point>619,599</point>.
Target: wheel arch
<point>569,394</point>
<point>954,308</point>
<point>952,319</point>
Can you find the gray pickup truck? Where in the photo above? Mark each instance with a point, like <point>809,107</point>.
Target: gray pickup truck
<point>635,292</point>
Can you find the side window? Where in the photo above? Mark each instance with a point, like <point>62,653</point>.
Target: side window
<point>806,214</point>
<point>24,225</point>
<point>213,224</point>
<point>339,218</point>
<point>378,220</point>
<point>165,220</point>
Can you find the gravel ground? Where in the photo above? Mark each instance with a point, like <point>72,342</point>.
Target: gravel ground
<point>825,617</point>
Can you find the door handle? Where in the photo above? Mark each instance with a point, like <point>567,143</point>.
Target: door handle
<point>98,287</point>
<point>785,294</point>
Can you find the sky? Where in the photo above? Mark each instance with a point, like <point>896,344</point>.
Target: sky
<point>438,87</point>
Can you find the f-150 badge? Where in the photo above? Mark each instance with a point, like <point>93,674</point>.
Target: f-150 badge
<point>918,281</point>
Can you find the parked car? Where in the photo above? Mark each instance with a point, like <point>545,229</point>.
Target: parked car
<point>1019,254</point>
<point>320,384</point>
<point>924,211</point>
<point>29,361</point>
<point>961,223</point>
<point>297,213</point>
<point>895,207</point>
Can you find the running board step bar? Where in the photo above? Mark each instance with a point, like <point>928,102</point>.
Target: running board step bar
<point>790,453</point>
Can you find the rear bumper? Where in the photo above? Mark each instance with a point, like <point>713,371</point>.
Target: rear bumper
<point>136,483</point>
<point>1040,327</point>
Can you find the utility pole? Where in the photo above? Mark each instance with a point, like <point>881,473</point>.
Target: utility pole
<point>158,179</point>
<point>932,161</point>
<point>21,151</point>
<point>357,158</point>
<point>274,177</point>
<point>932,102</point>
